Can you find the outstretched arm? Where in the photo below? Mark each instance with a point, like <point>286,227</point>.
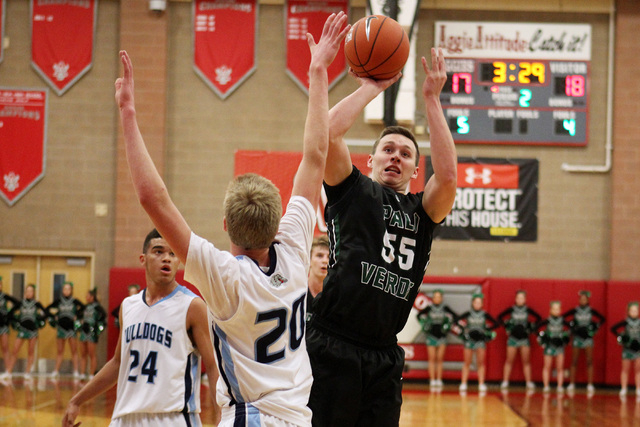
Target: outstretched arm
<point>150,189</point>
<point>308,180</point>
<point>103,381</point>
<point>341,117</point>
<point>440,191</point>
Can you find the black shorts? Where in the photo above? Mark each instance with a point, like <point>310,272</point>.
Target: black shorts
<point>352,385</point>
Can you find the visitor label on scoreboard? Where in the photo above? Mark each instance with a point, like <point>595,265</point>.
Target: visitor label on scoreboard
<point>516,83</point>
<point>496,199</point>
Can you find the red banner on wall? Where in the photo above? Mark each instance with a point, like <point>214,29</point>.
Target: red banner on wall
<point>23,131</point>
<point>224,42</point>
<point>309,16</point>
<point>62,36</point>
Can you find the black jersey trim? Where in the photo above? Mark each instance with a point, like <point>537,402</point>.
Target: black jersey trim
<point>223,374</point>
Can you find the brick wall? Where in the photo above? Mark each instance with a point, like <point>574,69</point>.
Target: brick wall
<point>143,34</point>
<point>625,217</point>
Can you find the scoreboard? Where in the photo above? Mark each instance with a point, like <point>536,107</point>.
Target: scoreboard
<point>518,83</point>
<point>516,101</point>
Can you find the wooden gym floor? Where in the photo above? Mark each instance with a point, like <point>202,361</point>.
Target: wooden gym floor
<point>41,402</point>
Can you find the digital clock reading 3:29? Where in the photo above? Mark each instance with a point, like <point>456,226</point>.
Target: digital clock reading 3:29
<point>517,102</point>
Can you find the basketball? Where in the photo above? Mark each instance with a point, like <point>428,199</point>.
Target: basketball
<point>376,47</point>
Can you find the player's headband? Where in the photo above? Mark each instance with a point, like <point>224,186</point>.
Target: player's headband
<point>585,293</point>
<point>477,295</point>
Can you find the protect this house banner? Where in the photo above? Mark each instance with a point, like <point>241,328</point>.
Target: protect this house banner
<point>225,42</point>
<point>62,38</point>
<point>23,135</point>
<point>496,199</point>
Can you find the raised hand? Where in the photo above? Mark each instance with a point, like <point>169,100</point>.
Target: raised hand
<point>124,84</point>
<point>379,85</point>
<point>324,52</point>
<point>436,76</point>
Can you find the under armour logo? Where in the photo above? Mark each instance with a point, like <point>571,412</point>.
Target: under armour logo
<point>368,25</point>
<point>472,175</point>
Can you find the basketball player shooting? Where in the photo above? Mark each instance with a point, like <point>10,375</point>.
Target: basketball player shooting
<point>380,237</point>
<point>256,291</point>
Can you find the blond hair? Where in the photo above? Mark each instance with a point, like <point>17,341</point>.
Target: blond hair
<point>252,208</point>
<point>320,241</point>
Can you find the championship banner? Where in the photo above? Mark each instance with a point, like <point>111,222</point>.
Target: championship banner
<point>62,38</point>
<point>309,16</point>
<point>496,199</point>
<point>23,135</point>
<point>225,43</point>
<point>280,167</point>
<point>3,7</point>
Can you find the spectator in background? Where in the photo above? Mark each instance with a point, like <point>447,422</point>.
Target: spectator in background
<point>63,314</point>
<point>132,289</point>
<point>319,262</point>
<point>583,328</point>
<point>27,317</point>
<point>93,321</point>
<point>5,302</point>
<point>476,331</point>
<point>519,327</point>
<point>436,320</point>
<point>553,340</point>
<point>629,338</point>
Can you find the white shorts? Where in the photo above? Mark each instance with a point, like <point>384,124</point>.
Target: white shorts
<point>251,417</point>
<point>157,420</point>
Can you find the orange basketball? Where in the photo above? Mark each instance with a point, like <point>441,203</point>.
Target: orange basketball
<point>376,47</point>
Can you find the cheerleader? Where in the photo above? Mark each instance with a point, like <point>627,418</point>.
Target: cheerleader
<point>475,333</point>
<point>518,327</point>
<point>629,338</point>
<point>583,328</point>
<point>64,315</point>
<point>92,324</point>
<point>553,340</point>
<point>436,320</point>
<point>28,316</point>
<point>5,302</point>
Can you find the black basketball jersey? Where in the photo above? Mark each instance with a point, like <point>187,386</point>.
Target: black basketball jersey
<point>380,242</point>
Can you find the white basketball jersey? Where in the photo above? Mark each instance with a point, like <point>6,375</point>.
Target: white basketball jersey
<point>259,318</point>
<point>159,366</point>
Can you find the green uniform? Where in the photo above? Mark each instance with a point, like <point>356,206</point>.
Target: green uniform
<point>4,311</point>
<point>555,337</point>
<point>29,316</point>
<point>582,325</point>
<point>629,338</point>
<point>93,320</point>
<point>476,332</point>
<point>436,322</point>
<point>66,316</point>
<point>518,326</point>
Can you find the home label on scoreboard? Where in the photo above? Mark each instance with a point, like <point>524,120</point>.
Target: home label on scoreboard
<point>516,83</point>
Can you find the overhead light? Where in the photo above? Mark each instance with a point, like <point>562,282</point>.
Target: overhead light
<point>157,5</point>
